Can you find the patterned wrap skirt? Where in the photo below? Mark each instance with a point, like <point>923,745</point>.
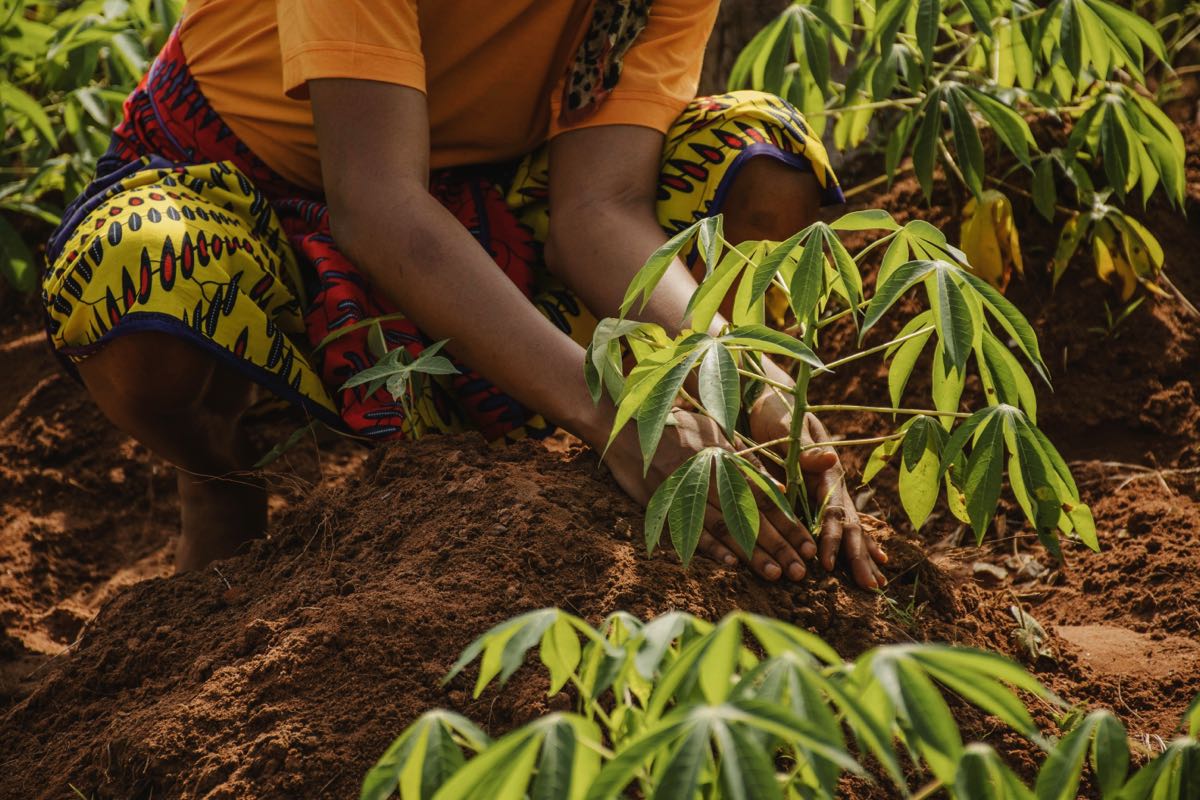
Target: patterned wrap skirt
<point>185,231</point>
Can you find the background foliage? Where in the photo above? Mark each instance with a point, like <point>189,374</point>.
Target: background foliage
<point>65,70</point>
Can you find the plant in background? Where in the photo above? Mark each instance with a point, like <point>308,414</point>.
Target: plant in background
<point>752,708</point>
<point>967,321</point>
<point>932,73</point>
<point>64,72</point>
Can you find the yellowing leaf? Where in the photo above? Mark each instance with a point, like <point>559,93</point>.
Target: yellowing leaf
<point>989,238</point>
<point>1111,264</point>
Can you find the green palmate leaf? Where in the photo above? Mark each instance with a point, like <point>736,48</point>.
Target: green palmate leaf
<point>1058,778</point>
<point>423,757</point>
<point>770,266</point>
<point>1027,473</point>
<point>685,517</point>
<point>897,142</point>
<point>948,384</point>
<point>771,341</point>
<point>983,775</point>
<point>1011,385</point>
<point>1115,152</point>
<point>560,652</point>
<point>1170,776</point>
<point>889,291</point>
<point>1191,718</point>
<point>719,387</point>
<point>982,486</point>
<point>681,775</point>
<point>846,268</point>
<point>924,154</point>
<point>720,659</point>
<point>952,317</point>
<point>648,277</point>
<point>16,261</point>
<point>652,414</point>
<point>808,281</point>
<point>967,144</point>
<point>922,712</point>
<point>602,364</point>
<point>962,434</point>
<point>904,356</point>
<point>919,478</point>
<point>655,639</point>
<point>1110,754</point>
<point>928,14</point>
<point>745,770</point>
<point>738,507</point>
<point>1045,195</point>
<point>1010,127</point>
<point>658,507</point>
<point>26,113</point>
<point>888,19</point>
<point>981,15</point>
<point>1011,320</point>
<point>865,220</point>
<point>711,233</point>
<point>707,298</point>
<point>765,483</point>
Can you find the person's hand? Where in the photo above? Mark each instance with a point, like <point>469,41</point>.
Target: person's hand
<point>841,532</point>
<point>782,545</point>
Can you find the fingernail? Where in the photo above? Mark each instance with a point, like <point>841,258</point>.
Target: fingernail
<point>772,571</point>
<point>883,555</point>
<point>808,549</point>
<point>829,565</point>
<point>796,571</point>
<point>729,560</point>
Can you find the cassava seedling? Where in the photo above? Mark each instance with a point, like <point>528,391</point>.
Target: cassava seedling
<point>939,446</point>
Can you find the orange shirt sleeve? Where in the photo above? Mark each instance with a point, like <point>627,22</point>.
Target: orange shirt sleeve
<point>660,73</point>
<point>365,39</point>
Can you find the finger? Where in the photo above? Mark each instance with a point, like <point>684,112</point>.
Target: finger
<point>796,534</point>
<point>858,561</point>
<point>780,549</point>
<point>760,560</point>
<point>875,549</point>
<point>818,459</point>
<point>714,549</point>
<point>831,536</point>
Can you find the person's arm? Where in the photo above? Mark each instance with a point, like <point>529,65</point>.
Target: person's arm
<point>373,143</point>
<point>603,184</point>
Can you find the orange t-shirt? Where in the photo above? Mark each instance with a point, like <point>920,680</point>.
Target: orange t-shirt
<point>492,70</point>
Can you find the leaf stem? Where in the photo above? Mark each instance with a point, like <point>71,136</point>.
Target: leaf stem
<point>765,446</point>
<point>886,410</point>
<point>872,350</point>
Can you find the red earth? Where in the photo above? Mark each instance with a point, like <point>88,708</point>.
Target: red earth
<point>285,671</point>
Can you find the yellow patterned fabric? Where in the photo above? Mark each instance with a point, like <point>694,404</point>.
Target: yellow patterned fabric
<point>197,250</point>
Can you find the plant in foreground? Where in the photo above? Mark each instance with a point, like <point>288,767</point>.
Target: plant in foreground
<point>942,446</point>
<point>753,708</point>
<point>931,73</point>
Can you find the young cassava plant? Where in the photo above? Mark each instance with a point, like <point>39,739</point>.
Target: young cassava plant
<point>968,325</point>
<point>931,74</point>
<point>753,708</point>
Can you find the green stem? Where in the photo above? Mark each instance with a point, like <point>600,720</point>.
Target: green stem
<point>765,446</point>
<point>886,410</point>
<point>901,103</point>
<point>832,365</point>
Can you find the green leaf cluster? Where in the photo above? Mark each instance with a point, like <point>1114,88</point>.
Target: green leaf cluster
<point>751,708</point>
<point>65,70</point>
<point>966,322</point>
<point>932,74</point>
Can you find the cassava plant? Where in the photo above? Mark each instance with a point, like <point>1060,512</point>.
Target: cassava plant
<point>932,73</point>
<point>752,708</point>
<point>967,322</point>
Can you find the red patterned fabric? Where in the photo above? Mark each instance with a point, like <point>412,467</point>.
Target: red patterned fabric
<point>167,116</point>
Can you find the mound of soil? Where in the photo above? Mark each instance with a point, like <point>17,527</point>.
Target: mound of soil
<point>284,672</point>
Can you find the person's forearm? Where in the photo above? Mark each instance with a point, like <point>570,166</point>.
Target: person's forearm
<point>422,259</point>
<point>598,253</point>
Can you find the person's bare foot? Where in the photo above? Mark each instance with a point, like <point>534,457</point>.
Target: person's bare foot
<point>219,515</point>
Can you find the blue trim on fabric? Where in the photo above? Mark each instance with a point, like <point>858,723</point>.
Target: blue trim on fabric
<point>156,321</point>
<point>830,195</point>
<point>96,193</point>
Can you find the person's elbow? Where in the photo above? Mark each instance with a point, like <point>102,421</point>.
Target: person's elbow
<point>365,225</point>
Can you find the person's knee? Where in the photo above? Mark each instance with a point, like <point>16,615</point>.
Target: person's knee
<point>149,373</point>
<point>771,199</point>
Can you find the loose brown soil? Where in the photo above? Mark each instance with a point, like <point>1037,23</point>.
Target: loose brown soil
<point>285,671</point>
